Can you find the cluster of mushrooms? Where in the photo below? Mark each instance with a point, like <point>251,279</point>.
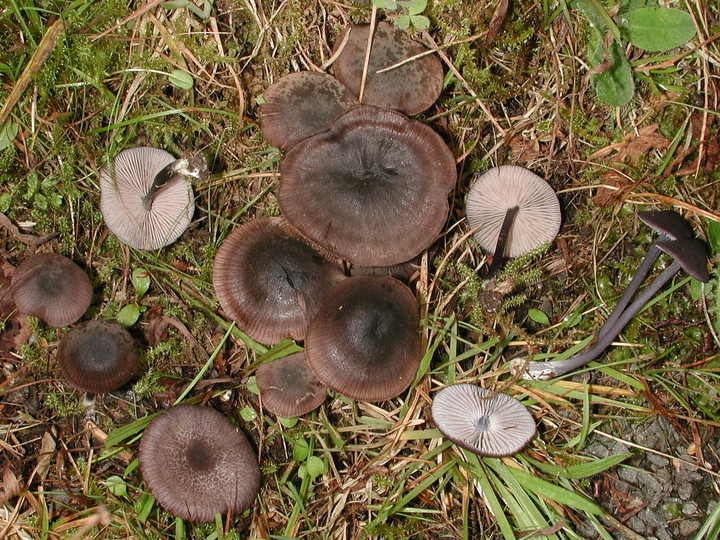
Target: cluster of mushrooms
<point>364,189</point>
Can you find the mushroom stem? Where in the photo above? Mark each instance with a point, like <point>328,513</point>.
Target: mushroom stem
<point>505,229</point>
<point>179,167</point>
<point>547,370</point>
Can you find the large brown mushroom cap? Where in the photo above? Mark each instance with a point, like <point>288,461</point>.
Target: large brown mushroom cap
<point>197,463</point>
<point>51,287</point>
<point>364,341</point>
<point>123,187</point>
<point>288,388</point>
<point>499,189</point>
<point>372,190</point>
<point>302,104</point>
<point>410,88</point>
<point>270,281</point>
<point>98,356</point>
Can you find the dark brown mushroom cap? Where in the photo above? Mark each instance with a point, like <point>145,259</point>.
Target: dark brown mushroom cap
<point>364,341</point>
<point>123,187</point>
<point>270,281</point>
<point>372,190</point>
<point>302,104</point>
<point>196,463</point>
<point>288,388</point>
<point>497,190</point>
<point>98,356</point>
<point>690,253</point>
<point>487,423</point>
<point>410,88</point>
<point>51,287</point>
<point>667,222</point>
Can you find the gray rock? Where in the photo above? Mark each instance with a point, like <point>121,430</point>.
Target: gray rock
<point>688,526</point>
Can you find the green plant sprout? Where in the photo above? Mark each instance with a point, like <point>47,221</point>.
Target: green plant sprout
<point>131,313</point>
<point>409,13</point>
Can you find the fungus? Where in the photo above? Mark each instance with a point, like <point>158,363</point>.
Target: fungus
<point>270,281</point>
<point>98,356</point>
<point>372,190</point>
<point>288,388</point>
<point>511,211</point>
<point>364,341</point>
<point>196,464</point>
<point>145,197</point>
<point>409,88</point>
<point>486,423</point>
<point>51,287</point>
<point>302,104</point>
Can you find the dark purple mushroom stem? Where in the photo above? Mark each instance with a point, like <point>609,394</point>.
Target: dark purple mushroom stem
<point>182,166</point>
<point>499,257</point>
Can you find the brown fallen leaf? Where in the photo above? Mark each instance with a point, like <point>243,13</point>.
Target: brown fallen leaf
<point>635,145</point>
<point>606,196</point>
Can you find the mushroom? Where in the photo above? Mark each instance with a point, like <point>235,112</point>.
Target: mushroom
<point>51,287</point>
<point>486,423</point>
<point>288,388</point>
<point>270,281</point>
<point>372,190</point>
<point>196,464</point>
<point>364,341</point>
<point>145,197</point>
<point>302,104</point>
<point>98,356</point>
<point>511,211</point>
<point>409,88</point>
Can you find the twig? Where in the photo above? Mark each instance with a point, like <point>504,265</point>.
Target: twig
<point>27,239</point>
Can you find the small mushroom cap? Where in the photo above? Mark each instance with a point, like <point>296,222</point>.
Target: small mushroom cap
<point>690,253</point>
<point>497,190</point>
<point>123,186</point>
<point>197,463</point>
<point>98,356</point>
<point>51,287</point>
<point>486,423</point>
<point>410,88</point>
<point>288,388</point>
<point>302,104</point>
<point>364,341</point>
<point>372,190</point>
<point>270,281</point>
<point>667,222</point>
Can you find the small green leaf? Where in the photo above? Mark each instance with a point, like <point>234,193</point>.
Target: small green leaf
<point>181,79</point>
<point>5,202</point>
<point>248,414</point>
<point>289,422</point>
<point>538,316</point>
<point>301,451</point>
<point>402,21</point>
<point>385,4</point>
<point>252,386</point>
<point>615,85</point>
<point>713,235</point>
<point>414,7</point>
<point>658,29</point>
<point>8,134</point>
<point>116,485</point>
<point>315,466</point>
<point>128,315</point>
<point>141,282</point>
<point>420,22</point>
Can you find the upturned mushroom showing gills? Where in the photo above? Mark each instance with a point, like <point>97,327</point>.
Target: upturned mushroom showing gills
<point>270,281</point>
<point>288,388</point>
<point>51,287</point>
<point>688,254</point>
<point>196,464</point>
<point>98,356</point>
<point>145,197</point>
<point>364,341</point>
<point>486,423</point>
<point>372,190</point>
<point>511,211</point>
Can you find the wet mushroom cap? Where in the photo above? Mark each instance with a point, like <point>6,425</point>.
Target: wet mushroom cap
<point>691,255</point>
<point>302,104</point>
<point>98,356</point>
<point>667,222</point>
<point>196,463</point>
<point>123,187</point>
<point>51,287</point>
<point>288,388</point>
<point>486,423</point>
<point>364,341</point>
<point>270,281</point>
<point>372,190</point>
<point>410,88</point>
<point>499,189</point>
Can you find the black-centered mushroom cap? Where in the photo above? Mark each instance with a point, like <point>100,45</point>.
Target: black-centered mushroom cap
<point>196,463</point>
<point>51,287</point>
<point>288,388</point>
<point>270,281</point>
<point>667,222</point>
<point>690,253</point>
<point>410,88</point>
<point>372,190</point>
<point>302,104</point>
<point>499,189</point>
<point>364,341</point>
<point>98,356</point>
<point>123,187</point>
<point>487,423</point>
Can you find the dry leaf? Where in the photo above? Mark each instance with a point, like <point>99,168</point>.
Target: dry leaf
<point>606,196</point>
<point>635,145</point>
